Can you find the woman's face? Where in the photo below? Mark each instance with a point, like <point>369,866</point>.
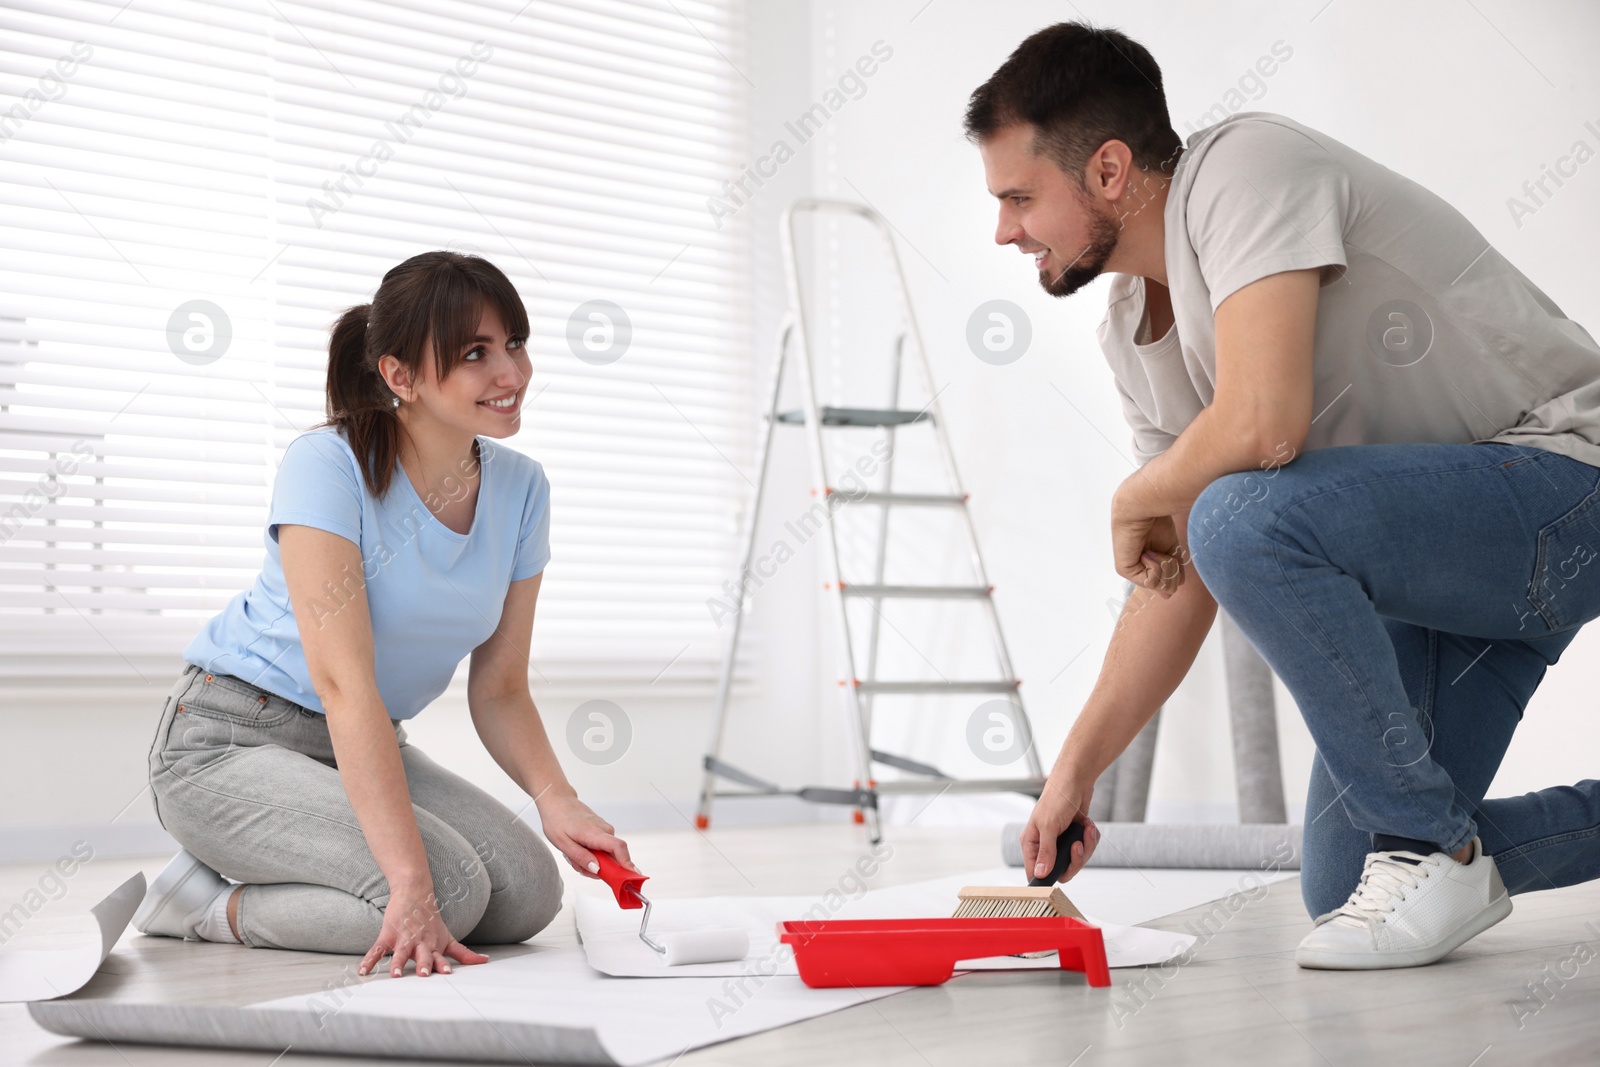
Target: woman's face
<point>485,391</point>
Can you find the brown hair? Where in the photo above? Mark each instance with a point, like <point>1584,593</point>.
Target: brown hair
<point>1079,86</point>
<point>437,296</point>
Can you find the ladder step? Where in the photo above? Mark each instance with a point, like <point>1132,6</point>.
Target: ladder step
<point>904,763</point>
<point>728,770</point>
<point>924,500</point>
<point>907,688</point>
<point>1030,786</point>
<point>919,592</point>
<point>858,417</point>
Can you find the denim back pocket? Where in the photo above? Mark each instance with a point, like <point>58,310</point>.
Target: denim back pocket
<point>226,698</point>
<point>1566,572</point>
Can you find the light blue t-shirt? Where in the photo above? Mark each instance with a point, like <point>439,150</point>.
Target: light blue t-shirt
<point>434,595</point>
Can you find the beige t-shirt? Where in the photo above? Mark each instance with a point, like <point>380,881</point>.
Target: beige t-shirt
<point>1424,332</point>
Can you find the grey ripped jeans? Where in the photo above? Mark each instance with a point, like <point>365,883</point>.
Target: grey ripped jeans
<point>246,781</point>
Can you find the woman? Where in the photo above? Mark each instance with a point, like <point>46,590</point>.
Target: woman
<point>399,540</point>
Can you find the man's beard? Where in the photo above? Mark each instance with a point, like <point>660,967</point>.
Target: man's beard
<point>1103,234</point>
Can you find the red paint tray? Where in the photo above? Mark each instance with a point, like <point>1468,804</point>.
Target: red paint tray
<point>867,952</point>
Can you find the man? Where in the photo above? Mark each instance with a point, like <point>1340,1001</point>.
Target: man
<point>1364,434</point>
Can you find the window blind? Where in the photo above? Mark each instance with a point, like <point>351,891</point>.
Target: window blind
<point>190,204</point>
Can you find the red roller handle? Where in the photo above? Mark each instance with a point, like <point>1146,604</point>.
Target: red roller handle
<point>623,882</point>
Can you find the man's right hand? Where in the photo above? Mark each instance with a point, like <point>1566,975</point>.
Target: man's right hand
<point>1059,806</point>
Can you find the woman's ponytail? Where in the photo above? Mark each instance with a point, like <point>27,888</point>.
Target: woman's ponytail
<point>359,401</point>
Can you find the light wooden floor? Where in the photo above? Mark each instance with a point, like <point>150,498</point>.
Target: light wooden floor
<point>1241,1001</point>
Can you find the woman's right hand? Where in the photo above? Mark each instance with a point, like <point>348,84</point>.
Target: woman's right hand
<point>414,931</point>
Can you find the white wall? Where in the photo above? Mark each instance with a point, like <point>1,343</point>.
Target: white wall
<point>1469,105</point>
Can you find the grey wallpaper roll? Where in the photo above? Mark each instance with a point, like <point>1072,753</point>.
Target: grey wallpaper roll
<point>1221,846</point>
<point>1252,708</point>
<point>347,1033</point>
<point>1132,797</point>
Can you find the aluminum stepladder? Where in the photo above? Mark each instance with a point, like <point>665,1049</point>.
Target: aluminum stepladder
<point>861,690</point>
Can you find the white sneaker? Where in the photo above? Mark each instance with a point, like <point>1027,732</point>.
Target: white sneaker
<point>179,899</point>
<point>1408,910</point>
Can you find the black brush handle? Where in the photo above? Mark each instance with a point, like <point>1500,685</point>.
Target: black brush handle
<point>1072,835</point>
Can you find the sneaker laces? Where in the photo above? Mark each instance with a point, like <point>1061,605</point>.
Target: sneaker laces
<point>1384,880</point>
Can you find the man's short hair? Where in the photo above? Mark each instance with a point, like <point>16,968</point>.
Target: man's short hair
<point>1079,87</point>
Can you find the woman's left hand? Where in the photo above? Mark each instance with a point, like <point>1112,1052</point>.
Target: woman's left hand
<point>579,833</point>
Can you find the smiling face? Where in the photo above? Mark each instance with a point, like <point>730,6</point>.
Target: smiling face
<point>1043,211</point>
<point>483,393</point>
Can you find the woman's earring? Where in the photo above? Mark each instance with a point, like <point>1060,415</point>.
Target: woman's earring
<point>396,401</point>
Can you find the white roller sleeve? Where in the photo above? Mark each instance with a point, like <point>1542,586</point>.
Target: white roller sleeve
<point>704,946</point>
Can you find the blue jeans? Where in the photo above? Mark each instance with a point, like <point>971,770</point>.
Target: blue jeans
<point>1411,598</point>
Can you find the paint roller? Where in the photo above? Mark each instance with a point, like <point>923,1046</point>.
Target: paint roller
<point>679,947</point>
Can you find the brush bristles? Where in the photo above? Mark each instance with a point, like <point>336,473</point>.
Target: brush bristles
<point>1015,902</point>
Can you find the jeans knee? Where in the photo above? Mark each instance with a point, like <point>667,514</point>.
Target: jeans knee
<point>1226,522</point>
<point>527,888</point>
<point>1329,872</point>
<point>541,897</point>
<point>1316,896</point>
<point>459,884</point>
